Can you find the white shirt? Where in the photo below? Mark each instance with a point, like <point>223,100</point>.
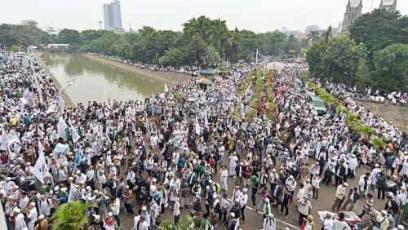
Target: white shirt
<point>176,210</point>
<point>243,199</point>
<point>401,198</point>
<point>269,223</point>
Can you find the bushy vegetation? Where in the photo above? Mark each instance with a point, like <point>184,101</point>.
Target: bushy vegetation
<point>353,121</point>
<point>71,216</point>
<point>203,41</point>
<point>373,54</point>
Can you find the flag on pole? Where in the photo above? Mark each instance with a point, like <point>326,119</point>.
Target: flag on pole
<point>61,127</point>
<point>72,196</point>
<point>74,134</point>
<point>40,168</point>
<point>206,118</point>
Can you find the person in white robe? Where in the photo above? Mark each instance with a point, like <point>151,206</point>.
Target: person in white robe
<point>32,215</point>
<point>233,159</point>
<point>45,206</point>
<point>269,222</point>
<point>224,178</point>
<point>20,220</point>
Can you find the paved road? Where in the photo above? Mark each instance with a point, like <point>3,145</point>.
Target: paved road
<point>254,220</point>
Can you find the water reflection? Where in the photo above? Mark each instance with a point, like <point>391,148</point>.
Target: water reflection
<point>97,81</point>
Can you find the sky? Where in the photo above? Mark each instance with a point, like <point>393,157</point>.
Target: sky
<point>256,15</point>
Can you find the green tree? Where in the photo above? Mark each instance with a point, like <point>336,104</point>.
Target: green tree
<point>272,42</point>
<point>195,51</point>
<point>211,57</point>
<point>23,35</point>
<point>378,29</point>
<point>292,46</point>
<point>313,36</point>
<point>172,57</point>
<point>69,36</point>
<point>248,43</point>
<point>91,35</point>
<point>391,68</point>
<point>363,75</point>
<point>70,216</point>
<point>213,33</point>
<point>314,56</point>
<point>340,61</point>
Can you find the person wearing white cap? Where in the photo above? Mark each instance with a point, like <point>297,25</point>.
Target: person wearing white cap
<point>115,209</point>
<point>402,197</point>
<point>224,178</point>
<point>243,200</point>
<point>380,220</point>
<point>176,211</point>
<point>23,202</point>
<point>32,215</point>
<point>233,223</point>
<point>44,205</point>
<point>233,159</point>
<point>269,222</point>
<point>109,222</point>
<point>42,223</point>
<point>146,216</point>
<point>374,175</point>
<point>341,193</point>
<point>154,211</point>
<point>20,223</point>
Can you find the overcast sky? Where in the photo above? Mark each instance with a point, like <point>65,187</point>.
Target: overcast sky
<point>256,15</point>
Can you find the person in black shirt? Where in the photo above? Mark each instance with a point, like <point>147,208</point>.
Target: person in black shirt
<point>391,205</point>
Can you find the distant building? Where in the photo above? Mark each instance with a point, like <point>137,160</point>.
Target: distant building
<point>353,11</point>
<point>311,28</point>
<point>112,17</point>
<point>390,5</point>
<point>57,46</point>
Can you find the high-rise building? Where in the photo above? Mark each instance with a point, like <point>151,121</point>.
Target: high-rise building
<point>353,11</point>
<point>112,16</point>
<point>390,5</point>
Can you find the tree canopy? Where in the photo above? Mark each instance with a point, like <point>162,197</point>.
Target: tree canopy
<point>203,41</point>
<point>391,67</point>
<point>379,29</point>
<point>373,55</point>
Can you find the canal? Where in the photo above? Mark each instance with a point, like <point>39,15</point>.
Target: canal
<point>83,79</point>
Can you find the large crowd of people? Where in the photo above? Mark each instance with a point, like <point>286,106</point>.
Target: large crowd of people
<point>186,69</point>
<point>369,94</point>
<point>181,153</point>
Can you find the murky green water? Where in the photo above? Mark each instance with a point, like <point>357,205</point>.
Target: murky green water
<point>85,80</point>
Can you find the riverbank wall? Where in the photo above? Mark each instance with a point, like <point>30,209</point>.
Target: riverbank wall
<point>67,100</point>
<point>171,78</point>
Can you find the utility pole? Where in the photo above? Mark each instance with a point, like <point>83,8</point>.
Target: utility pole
<point>256,58</point>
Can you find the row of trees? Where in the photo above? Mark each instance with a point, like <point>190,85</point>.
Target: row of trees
<point>202,42</point>
<point>373,54</point>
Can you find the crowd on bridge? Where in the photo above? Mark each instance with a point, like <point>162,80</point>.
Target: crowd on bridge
<point>182,154</point>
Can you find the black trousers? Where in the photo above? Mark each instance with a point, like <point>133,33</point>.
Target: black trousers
<point>243,212</point>
<point>381,193</point>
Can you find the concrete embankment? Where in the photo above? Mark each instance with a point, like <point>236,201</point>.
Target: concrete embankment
<point>172,78</point>
<point>67,99</point>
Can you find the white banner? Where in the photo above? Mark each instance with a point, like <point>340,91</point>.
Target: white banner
<point>40,168</point>
<point>61,127</point>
